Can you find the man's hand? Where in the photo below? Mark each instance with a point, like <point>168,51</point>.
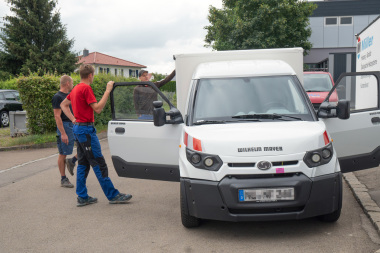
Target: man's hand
<point>110,86</point>
<point>65,139</point>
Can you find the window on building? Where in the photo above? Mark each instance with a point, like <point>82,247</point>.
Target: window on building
<point>346,20</point>
<point>132,73</point>
<point>122,72</point>
<point>100,70</point>
<point>331,21</point>
<point>115,72</point>
<point>108,70</point>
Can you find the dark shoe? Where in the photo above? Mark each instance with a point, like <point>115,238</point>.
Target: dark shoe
<point>70,166</point>
<point>121,198</point>
<point>66,183</point>
<point>85,202</point>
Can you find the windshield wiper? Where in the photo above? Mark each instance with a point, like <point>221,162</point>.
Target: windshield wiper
<point>264,116</point>
<point>256,116</point>
<point>202,122</point>
<point>283,115</point>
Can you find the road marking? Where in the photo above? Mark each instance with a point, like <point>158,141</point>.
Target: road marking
<point>21,165</point>
<point>30,162</point>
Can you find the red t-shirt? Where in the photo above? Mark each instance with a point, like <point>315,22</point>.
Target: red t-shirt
<point>81,97</point>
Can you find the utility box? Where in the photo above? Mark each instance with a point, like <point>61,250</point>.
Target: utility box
<point>17,122</point>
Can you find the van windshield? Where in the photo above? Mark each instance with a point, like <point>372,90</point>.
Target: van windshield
<point>227,100</point>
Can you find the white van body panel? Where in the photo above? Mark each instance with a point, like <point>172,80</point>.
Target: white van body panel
<point>160,143</point>
<point>300,136</point>
<point>259,139</point>
<point>358,129</point>
<point>246,68</point>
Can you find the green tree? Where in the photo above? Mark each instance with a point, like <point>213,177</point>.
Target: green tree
<point>34,40</point>
<point>158,77</point>
<point>255,24</point>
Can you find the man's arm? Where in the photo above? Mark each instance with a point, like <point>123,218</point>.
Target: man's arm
<point>65,106</point>
<point>58,121</point>
<point>98,107</point>
<point>166,80</point>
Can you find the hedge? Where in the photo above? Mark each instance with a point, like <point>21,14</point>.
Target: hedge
<point>36,93</point>
<point>10,84</point>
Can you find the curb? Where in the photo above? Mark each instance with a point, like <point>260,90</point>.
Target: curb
<point>101,136</point>
<point>361,194</point>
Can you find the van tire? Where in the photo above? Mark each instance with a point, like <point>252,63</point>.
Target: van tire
<point>188,221</point>
<point>330,217</point>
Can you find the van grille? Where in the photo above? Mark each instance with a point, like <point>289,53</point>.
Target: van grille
<point>253,176</point>
<point>241,164</point>
<point>275,164</point>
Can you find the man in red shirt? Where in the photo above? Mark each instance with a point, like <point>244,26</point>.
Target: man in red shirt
<point>84,104</point>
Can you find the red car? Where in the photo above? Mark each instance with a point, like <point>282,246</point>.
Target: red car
<point>318,85</point>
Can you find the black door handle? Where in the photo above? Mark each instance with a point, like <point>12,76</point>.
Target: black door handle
<point>375,120</point>
<point>120,130</point>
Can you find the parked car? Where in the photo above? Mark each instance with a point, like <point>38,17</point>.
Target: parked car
<point>317,85</point>
<point>9,101</point>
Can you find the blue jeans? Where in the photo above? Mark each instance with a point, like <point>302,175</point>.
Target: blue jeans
<point>90,154</point>
<point>64,149</point>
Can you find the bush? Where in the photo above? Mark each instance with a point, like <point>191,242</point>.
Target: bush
<point>170,86</point>
<point>36,93</point>
<point>10,84</point>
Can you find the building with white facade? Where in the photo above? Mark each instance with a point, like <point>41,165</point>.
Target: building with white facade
<point>111,65</point>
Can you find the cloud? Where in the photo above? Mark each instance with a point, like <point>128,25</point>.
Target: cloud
<point>148,32</point>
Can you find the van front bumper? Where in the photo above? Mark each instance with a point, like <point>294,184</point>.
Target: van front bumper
<point>219,200</point>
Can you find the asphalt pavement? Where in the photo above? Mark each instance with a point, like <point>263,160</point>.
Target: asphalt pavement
<point>365,184</point>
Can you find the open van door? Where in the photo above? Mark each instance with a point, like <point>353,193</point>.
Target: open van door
<point>138,148</point>
<point>357,138</point>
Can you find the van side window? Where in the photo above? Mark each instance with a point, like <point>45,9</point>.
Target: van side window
<point>361,91</point>
<point>135,102</point>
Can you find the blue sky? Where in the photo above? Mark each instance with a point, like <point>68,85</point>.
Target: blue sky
<point>147,32</point>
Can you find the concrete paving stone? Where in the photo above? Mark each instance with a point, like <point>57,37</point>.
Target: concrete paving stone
<point>370,208</point>
<point>360,189</point>
<point>364,196</point>
<point>375,195</point>
<point>375,216</point>
<point>350,175</point>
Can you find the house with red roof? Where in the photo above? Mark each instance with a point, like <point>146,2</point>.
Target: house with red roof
<point>111,65</point>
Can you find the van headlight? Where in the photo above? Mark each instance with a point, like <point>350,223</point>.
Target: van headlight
<point>319,157</point>
<point>203,161</point>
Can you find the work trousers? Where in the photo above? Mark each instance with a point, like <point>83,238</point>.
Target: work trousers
<point>90,154</point>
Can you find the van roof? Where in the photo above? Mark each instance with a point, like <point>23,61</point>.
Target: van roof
<point>242,68</point>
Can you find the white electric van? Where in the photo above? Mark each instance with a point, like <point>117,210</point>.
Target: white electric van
<point>241,136</point>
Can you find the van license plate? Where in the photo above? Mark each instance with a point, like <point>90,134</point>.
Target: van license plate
<point>266,195</point>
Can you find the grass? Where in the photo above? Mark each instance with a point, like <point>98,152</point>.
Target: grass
<point>7,141</point>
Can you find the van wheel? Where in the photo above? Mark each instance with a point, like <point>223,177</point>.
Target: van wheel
<point>4,118</point>
<point>330,217</point>
<point>187,220</point>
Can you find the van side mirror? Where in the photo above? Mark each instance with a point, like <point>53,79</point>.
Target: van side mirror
<point>159,117</point>
<point>341,110</point>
